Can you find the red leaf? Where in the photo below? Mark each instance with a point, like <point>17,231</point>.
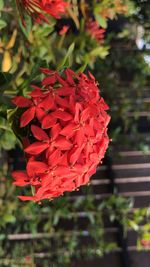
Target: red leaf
<point>27,116</point>
<point>39,133</point>
<point>22,102</point>
<point>48,121</point>
<point>36,148</point>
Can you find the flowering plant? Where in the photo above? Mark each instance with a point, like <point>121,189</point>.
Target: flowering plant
<point>67,133</point>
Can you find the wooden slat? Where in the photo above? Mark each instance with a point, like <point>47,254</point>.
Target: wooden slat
<point>134,153</point>
<point>138,114</point>
<point>126,166</point>
<point>122,180</point>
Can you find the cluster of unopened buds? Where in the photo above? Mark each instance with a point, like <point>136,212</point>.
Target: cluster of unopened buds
<point>96,32</point>
<point>67,133</point>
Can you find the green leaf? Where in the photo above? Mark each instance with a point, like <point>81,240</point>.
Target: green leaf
<point>67,56</point>
<point>101,21</point>
<point>83,67</point>
<point>35,71</point>
<point>133,225</point>
<point>9,218</point>
<point>2,236</point>
<point>4,124</point>
<point>100,51</point>
<point>5,78</point>
<point>3,24</point>
<point>1,4</point>
<point>26,30</point>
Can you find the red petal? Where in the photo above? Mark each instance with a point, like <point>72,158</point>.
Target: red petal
<point>79,137</point>
<point>68,130</point>
<point>36,167</point>
<point>27,116</point>
<point>20,175</point>
<point>63,144</point>
<point>63,171</point>
<point>63,115</point>
<point>21,178</point>
<point>36,148</point>
<point>40,114</point>
<point>78,108</point>
<point>50,80</point>
<point>55,131</point>
<point>54,158</point>
<point>21,183</point>
<point>103,104</point>
<point>62,102</point>
<point>47,103</point>
<point>39,133</point>
<point>61,80</point>
<point>65,91</point>
<point>48,121</point>
<point>37,92</point>
<point>47,71</point>
<point>63,160</point>
<point>75,156</point>
<point>68,186</point>
<point>70,74</point>
<point>22,102</point>
<point>79,180</point>
<point>85,114</point>
<point>27,198</point>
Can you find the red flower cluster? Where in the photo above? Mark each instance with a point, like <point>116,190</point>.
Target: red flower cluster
<point>38,8</point>
<point>95,31</point>
<point>67,124</point>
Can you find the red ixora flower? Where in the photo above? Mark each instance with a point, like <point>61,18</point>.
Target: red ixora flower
<point>37,9</point>
<point>67,124</point>
<point>93,29</point>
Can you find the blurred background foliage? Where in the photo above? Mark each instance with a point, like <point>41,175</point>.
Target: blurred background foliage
<point>121,65</point>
